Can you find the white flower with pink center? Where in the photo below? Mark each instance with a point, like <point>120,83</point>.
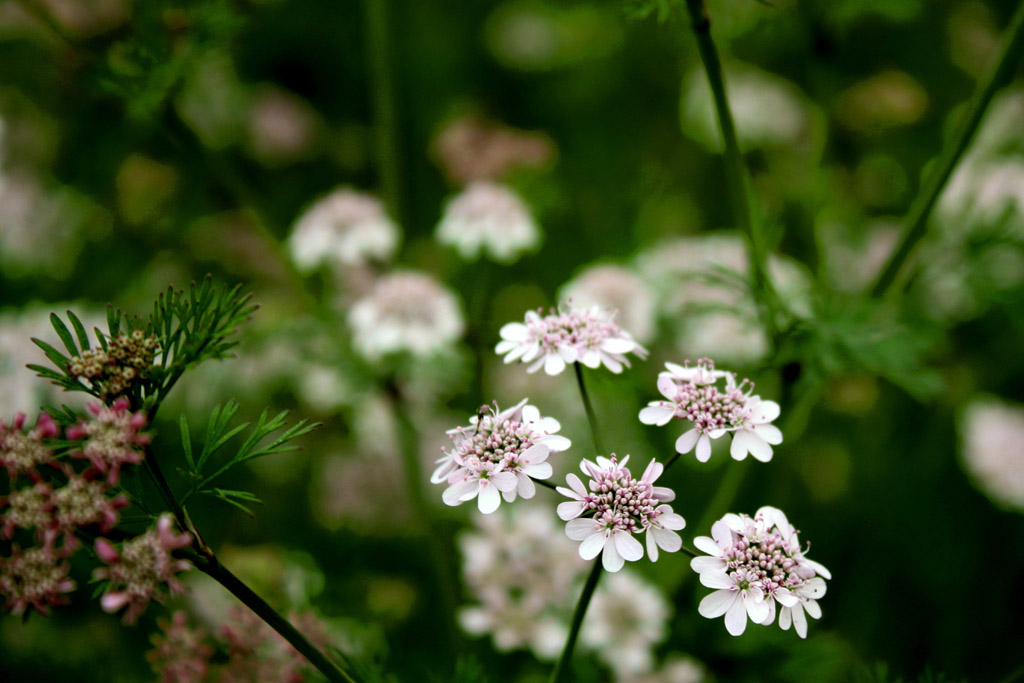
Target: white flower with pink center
<point>498,456</point>
<point>606,515</point>
<point>488,219</point>
<point>754,564</point>
<point>693,395</point>
<point>568,335</point>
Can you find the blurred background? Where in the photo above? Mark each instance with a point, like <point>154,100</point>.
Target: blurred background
<point>144,144</point>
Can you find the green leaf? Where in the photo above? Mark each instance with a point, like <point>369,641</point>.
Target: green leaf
<point>236,498</point>
<point>64,333</point>
<point>55,356</point>
<point>83,336</point>
<point>186,443</point>
<point>113,320</point>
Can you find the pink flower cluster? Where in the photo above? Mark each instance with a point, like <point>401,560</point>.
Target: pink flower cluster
<point>606,515</point>
<point>569,335</point>
<point>693,396</point>
<point>111,438</point>
<point>754,564</point>
<point>500,451</point>
<point>138,570</point>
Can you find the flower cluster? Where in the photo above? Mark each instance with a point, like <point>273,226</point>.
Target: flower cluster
<point>490,219</point>
<point>112,371</point>
<point>21,452</point>
<point>616,506</point>
<point>179,653</point>
<point>693,396</point>
<point>471,148</point>
<point>345,228</point>
<point>36,578</point>
<point>406,311</point>
<point>138,571</point>
<point>754,564</point>
<point>111,438</point>
<point>626,620</point>
<point>500,451</point>
<point>568,335</point>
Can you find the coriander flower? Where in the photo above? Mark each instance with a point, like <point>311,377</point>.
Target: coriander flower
<point>344,228</point>
<point>754,564</point>
<point>406,311</point>
<point>616,507</point>
<point>693,395</point>
<point>36,578</point>
<point>992,451</point>
<point>490,219</point>
<point>499,451</point>
<point>568,335</point>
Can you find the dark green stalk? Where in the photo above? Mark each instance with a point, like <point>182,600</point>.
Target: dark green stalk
<point>577,621</point>
<point>591,417</point>
<point>385,110</point>
<point>545,484</point>
<point>734,169</point>
<point>916,224</point>
<point>209,564</point>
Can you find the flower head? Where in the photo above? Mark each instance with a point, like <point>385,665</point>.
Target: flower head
<point>36,578</point>
<point>20,451</point>
<point>80,503</point>
<point>180,653</point>
<point>138,571</point>
<point>111,437</point>
<point>626,620</point>
<point>568,335</point>
<point>406,311</point>
<point>500,451</point>
<point>111,371</point>
<point>490,219</point>
<point>693,395</point>
<point>606,515</point>
<point>992,450</point>
<point>754,564</point>
<point>344,228</point>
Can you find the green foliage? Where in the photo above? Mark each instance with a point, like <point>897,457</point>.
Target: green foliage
<point>260,442</point>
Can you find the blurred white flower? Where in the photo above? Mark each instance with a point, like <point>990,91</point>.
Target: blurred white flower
<point>282,127</point>
<point>693,396</point>
<point>617,289</point>
<point>346,228</point>
<point>675,669</point>
<point>471,148</point>
<point>992,449</point>
<point>754,564</point>
<point>488,219</point>
<point>406,311</point>
<point>499,451</point>
<point>586,335</point>
<point>521,573</point>
<point>627,618</point>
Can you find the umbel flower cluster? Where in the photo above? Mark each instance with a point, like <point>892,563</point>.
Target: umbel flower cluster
<point>51,503</point>
<point>111,371</point>
<point>754,564</point>
<point>500,451</point>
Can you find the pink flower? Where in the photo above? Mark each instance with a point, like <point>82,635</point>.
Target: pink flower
<point>21,452</point>
<point>34,578</point>
<point>111,438</point>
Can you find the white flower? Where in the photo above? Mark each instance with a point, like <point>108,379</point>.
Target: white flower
<point>500,451</point>
<point>520,574</point>
<point>754,564</point>
<point>693,396</point>
<point>344,228</point>
<point>615,508</point>
<point>992,449</point>
<point>490,219</point>
<point>618,289</point>
<point>589,336</point>
<point>406,311</point>
<point>627,618</point>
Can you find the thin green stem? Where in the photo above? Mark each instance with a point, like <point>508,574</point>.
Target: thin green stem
<point>545,484</point>
<point>591,417</point>
<point>916,224</point>
<point>208,564</point>
<point>577,621</point>
<point>385,109</point>
<point>734,168</point>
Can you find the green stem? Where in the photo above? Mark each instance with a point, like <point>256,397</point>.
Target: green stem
<point>734,169</point>
<point>942,169</point>
<point>545,484</point>
<point>577,621</point>
<point>385,110</point>
<point>209,564</point>
<point>591,417</point>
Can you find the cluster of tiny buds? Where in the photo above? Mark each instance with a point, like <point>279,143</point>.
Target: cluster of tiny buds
<point>619,498</point>
<point>111,371</point>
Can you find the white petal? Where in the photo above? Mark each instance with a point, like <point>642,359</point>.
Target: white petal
<point>652,546</point>
<point>553,364</point>
<point>556,443</point>
<point>736,618</point>
<point>539,471</point>
<point>611,559</point>
<point>769,433</point>
<point>740,445</point>
<point>504,481</point>
<point>814,589</point>
<point>818,569</point>
<point>757,610</point>
<point>657,414</point>
<point>576,485</point>
<point>717,604</point>
<point>686,442</point>
<point>570,510</point>
<point>717,579</point>
<point>612,364</point>
<point>591,358</point>
<point>580,529</point>
<point>618,346</point>
<point>627,546</point>
<point>722,533</point>
<point>526,487</point>
<point>703,448</point>
<point>592,545</point>
<point>799,621</point>
<point>457,493</point>
<point>668,540</point>
<point>764,412</point>
<point>514,332</point>
<point>536,453</point>
<point>785,618</point>
<point>813,608</point>
<point>489,500</point>
<point>707,545</point>
<point>707,564</point>
<point>568,353</point>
